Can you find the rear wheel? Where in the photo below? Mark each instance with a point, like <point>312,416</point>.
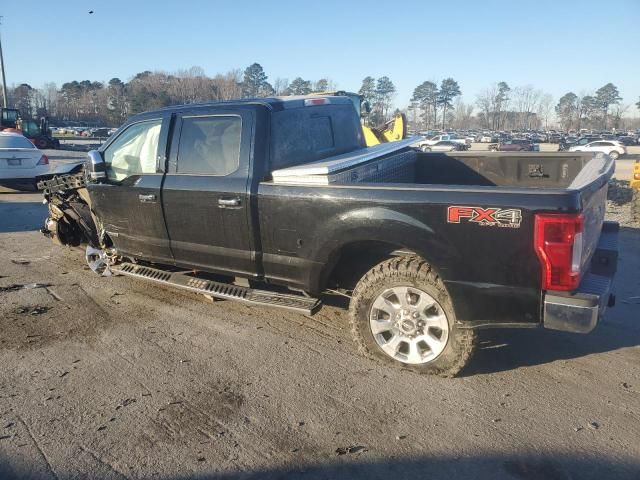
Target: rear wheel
<point>614,155</point>
<point>401,314</point>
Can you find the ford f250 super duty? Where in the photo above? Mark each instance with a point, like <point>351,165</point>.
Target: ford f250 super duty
<point>277,201</point>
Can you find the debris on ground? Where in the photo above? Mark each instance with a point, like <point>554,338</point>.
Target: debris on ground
<point>35,310</point>
<point>125,402</point>
<point>20,261</point>
<point>351,449</point>
<point>28,286</point>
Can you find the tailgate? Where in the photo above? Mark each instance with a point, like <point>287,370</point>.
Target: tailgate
<point>593,183</point>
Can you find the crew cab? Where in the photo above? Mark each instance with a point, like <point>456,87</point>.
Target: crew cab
<point>278,202</point>
<point>515,145</point>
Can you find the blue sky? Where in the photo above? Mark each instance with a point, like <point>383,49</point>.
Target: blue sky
<point>556,46</point>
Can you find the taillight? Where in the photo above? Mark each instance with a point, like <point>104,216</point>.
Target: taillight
<point>558,244</point>
<point>44,160</point>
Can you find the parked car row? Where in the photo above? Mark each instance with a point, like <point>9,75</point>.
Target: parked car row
<point>84,131</point>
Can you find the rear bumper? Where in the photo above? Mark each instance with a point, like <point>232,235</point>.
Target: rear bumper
<point>580,311</point>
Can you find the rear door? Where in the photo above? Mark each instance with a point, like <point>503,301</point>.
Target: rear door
<point>129,202</point>
<point>205,193</point>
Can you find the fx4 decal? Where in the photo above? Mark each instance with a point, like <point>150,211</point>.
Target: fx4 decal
<point>487,217</point>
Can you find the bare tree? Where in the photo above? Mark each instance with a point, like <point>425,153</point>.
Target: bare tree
<point>526,100</point>
<point>545,109</point>
<point>281,85</point>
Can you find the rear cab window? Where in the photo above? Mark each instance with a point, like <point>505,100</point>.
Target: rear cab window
<point>308,134</point>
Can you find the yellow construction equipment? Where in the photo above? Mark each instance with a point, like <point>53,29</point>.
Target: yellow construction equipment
<point>392,131</point>
<point>635,176</point>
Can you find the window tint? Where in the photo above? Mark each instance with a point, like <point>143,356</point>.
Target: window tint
<point>606,144</point>
<point>209,145</point>
<point>134,151</point>
<point>15,141</point>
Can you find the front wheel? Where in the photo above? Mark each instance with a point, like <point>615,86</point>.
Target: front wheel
<point>426,148</point>
<point>401,314</point>
<point>614,155</point>
<point>98,261</point>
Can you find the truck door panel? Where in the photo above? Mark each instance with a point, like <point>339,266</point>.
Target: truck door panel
<point>204,196</point>
<point>129,204</point>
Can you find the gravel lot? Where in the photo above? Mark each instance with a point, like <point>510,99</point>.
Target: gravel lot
<point>114,378</point>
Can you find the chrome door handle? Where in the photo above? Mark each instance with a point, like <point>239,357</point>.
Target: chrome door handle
<point>229,202</point>
<point>147,198</point>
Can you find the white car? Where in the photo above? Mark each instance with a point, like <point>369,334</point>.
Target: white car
<point>612,148</point>
<point>22,165</point>
<point>446,138</point>
<point>443,146</point>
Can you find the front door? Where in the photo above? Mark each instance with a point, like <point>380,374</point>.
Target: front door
<point>129,203</point>
<point>204,195</point>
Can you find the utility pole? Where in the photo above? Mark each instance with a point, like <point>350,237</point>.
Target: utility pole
<point>5,103</point>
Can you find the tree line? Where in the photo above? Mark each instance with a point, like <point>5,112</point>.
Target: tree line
<point>433,104</point>
<point>110,103</point>
<point>602,110</point>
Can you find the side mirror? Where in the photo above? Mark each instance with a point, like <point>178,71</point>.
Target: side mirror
<point>95,166</point>
<point>366,107</point>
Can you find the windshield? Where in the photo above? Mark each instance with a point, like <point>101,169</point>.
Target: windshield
<point>15,141</point>
<point>9,116</point>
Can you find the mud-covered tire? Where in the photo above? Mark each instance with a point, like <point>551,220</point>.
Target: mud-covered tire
<point>413,272</point>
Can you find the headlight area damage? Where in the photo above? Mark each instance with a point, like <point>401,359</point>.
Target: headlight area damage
<point>71,221</point>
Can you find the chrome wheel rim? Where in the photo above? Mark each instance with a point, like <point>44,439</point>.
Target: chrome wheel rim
<point>409,325</point>
<point>97,260</point>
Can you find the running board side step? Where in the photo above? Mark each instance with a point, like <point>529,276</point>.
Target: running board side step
<point>227,291</point>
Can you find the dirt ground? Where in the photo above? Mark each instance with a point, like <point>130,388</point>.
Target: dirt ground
<point>114,378</point>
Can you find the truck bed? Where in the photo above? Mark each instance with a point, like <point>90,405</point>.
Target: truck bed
<point>492,273</point>
<point>398,164</point>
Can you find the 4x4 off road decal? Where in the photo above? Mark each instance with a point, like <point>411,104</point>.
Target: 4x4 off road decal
<point>488,217</point>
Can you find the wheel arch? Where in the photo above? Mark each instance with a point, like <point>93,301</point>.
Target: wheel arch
<point>374,235</point>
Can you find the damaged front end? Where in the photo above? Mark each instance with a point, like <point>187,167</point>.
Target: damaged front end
<point>71,221</point>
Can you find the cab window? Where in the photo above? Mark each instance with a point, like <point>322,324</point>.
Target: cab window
<point>209,145</point>
<point>134,152</point>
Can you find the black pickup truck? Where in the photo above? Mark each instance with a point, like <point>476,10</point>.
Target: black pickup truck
<point>278,202</point>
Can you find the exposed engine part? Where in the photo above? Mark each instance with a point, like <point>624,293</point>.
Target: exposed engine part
<point>62,232</point>
<point>62,183</point>
<point>70,221</point>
